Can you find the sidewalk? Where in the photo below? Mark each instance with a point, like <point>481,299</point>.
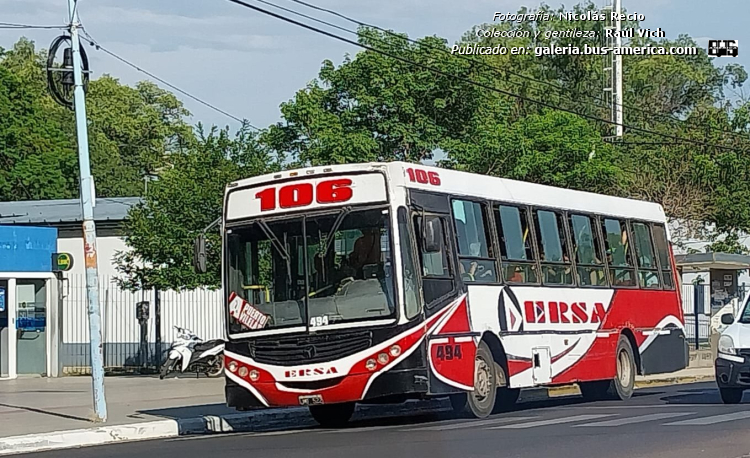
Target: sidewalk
<point>37,405</point>
<point>44,414</point>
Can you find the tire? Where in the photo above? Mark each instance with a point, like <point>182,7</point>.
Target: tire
<point>731,395</point>
<point>217,368</point>
<point>333,415</point>
<point>481,402</point>
<point>622,386</point>
<point>624,382</point>
<point>166,368</point>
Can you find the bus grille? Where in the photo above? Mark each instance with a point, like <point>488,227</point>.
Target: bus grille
<point>291,351</point>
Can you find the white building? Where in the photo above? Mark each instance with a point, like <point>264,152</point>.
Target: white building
<point>200,311</point>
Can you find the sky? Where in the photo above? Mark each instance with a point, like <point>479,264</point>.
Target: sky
<point>247,64</point>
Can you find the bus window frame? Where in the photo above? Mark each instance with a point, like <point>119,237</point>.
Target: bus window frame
<point>599,241</point>
<point>441,301</point>
<point>415,254</point>
<point>631,250</point>
<point>672,269</point>
<point>495,207</point>
<point>566,245</point>
<point>492,247</point>
<point>657,270</point>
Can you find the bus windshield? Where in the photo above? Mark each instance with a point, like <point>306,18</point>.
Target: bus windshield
<point>340,272</point>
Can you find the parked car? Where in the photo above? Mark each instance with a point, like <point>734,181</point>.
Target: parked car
<point>733,356</point>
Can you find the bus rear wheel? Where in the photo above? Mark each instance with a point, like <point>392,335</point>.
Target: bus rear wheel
<point>621,388</point>
<point>333,415</point>
<point>481,402</point>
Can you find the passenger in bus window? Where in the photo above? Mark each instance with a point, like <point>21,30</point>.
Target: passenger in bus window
<point>517,275</point>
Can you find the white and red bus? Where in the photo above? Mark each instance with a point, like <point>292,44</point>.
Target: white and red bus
<point>381,282</point>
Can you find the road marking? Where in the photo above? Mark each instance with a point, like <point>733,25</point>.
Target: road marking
<point>638,419</point>
<point>553,421</point>
<point>712,419</point>
<point>636,407</point>
<point>280,433</point>
<point>358,429</point>
<point>470,424</point>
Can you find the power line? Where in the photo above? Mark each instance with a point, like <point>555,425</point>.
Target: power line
<point>467,80</point>
<point>503,72</point>
<point>11,25</point>
<point>94,43</point>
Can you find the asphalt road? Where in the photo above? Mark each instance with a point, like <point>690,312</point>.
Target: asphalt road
<point>685,421</point>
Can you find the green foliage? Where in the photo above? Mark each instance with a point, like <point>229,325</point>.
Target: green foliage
<point>552,148</point>
<point>131,132</point>
<point>186,199</point>
<point>728,243</point>
<point>376,107</point>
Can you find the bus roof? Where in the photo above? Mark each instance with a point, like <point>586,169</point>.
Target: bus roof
<point>482,186</point>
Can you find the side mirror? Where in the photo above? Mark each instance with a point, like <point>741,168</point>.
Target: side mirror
<point>199,254</point>
<point>433,235</point>
<point>727,318</point>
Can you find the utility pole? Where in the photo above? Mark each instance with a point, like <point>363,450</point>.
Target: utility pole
<point>618,71</point>
<point>89,228</point>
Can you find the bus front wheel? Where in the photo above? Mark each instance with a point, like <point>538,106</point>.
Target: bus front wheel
<point>333,415</point>
<point>480,402</point>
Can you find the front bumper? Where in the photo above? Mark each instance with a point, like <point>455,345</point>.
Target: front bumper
<point>732,371</point>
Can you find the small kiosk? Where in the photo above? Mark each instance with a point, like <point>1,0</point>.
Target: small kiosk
<point>29,329</point>
<point>721,271</point>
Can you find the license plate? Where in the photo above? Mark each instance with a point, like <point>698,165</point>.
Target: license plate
<point>311,400</point>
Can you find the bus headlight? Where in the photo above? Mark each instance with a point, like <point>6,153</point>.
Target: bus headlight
<point>243,372</point>
<point>395,350</point>
<point>726,345</point>
<point>371,364</point>
<point>254,375</point>
<point>232,367</point>
<point>383,358</point>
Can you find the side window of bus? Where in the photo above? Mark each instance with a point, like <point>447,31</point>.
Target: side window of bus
<point>617,247</point>
<point>557,268</point>
<point>516,248</point>
<point>476,263</point>
<point>665,260</point>
<point>437,278</point>
<point>412,304</point>
<point>587,251</point>
<point>648,269</point>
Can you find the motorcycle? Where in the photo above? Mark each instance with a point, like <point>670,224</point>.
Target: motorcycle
<point>192,354</point>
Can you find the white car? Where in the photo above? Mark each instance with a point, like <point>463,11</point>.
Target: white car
<point>733,356</point>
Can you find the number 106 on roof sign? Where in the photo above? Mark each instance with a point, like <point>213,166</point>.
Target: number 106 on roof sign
<point>308,194</point>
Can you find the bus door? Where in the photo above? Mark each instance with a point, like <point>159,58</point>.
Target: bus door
<point>451,348</point>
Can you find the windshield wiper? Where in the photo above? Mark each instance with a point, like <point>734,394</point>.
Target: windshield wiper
<point>279,247</point>
<point>332,238</point>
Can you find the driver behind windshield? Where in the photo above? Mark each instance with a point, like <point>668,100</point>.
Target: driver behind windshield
<point>366,250</point>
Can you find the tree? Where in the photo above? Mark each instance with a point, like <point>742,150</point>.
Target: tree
<point>36,146</point>
<point>185,199</point>
<point>552,148</point>
<point>131,131</point>
<point>375,107</point>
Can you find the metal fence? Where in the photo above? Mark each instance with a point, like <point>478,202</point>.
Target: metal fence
<point>699,307</point>
<point>202,312</point>
<point>129,344</point>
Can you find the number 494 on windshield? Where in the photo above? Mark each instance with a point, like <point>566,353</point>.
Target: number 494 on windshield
<point>319,321</point>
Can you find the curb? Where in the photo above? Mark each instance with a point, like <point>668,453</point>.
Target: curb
<point>159,429</point>
<point>252,421</point>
